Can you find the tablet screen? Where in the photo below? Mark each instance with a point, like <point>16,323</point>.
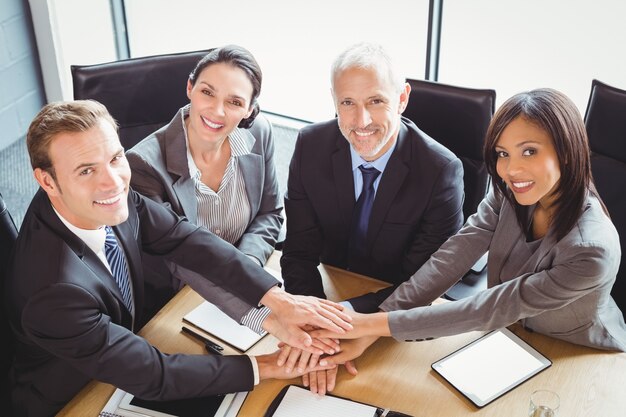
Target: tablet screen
<point>491,366</point>
<point>214,406</point>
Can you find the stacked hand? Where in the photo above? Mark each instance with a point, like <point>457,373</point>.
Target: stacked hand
<point>309,329</point>
<point>323,380</point>
<point>269,368</point>
<point>292,315</point>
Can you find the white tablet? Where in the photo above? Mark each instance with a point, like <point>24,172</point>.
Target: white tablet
<point>491,366</point>
<point>212,406</point>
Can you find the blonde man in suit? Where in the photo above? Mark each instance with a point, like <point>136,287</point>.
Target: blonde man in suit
<point>75,281</point>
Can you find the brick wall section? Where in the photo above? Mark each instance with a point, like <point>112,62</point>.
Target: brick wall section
<point>21,88</point>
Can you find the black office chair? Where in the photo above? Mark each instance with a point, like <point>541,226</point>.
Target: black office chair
<point>8,235</point>
<point>458,118</point>
<point>142,94</point>
<point>605,120</point>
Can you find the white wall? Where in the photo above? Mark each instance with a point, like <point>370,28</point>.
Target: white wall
<point>502,44</point>
<point>21,90</point>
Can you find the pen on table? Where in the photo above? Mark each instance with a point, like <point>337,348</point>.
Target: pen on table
<point>209,344</point>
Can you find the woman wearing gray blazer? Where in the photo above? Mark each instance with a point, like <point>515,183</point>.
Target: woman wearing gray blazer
<point>207,167</point>
<point>553,250</point>
<point>214,162</point>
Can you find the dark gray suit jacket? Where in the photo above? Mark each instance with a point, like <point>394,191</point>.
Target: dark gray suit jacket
<point>418,205</point>
<point>72,326</point>
<point>562,290</point>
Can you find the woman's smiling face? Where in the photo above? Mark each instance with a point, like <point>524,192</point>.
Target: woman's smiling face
<point>528,163</point>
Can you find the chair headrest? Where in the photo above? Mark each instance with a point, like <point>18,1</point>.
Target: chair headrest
<point>142,94</point>
<point>605,120</point>
<point>457,117</point>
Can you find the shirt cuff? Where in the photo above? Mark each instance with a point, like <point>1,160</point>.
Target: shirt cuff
<point>255,369</point>
<point>346,304</point>
<point>254,319</point>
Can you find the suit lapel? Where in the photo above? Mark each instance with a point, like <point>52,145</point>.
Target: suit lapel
<point>177,166</point>
<point>508,235</point>
<point>82,251</point>
<point>390,183</point>
<point>251,164</point>
<point>344,180</point>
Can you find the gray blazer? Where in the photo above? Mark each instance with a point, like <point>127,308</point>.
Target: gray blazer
<point>160,172</point>
<point>563,290</point>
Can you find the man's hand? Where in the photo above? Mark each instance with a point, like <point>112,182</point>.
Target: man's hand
<point>321,382</point>
<point>269,369</point>
<point>291,357</point>
<point>292,313</point>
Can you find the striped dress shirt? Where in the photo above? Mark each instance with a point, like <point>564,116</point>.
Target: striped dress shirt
<point>225,212</point>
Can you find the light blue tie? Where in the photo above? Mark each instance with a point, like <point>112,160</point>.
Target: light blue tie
<point>117,263</point>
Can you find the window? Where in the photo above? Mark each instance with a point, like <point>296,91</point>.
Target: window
<point>516,46</point>
<point>294,42</point>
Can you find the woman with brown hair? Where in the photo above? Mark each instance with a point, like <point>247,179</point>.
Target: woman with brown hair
<point>553,250</point>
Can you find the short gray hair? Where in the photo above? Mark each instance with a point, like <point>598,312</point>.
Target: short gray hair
<point>368,56</point>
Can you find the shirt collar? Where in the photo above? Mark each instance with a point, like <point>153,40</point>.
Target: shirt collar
<point>238,144</point>
<point>94,239</point>
<point>379,163</point>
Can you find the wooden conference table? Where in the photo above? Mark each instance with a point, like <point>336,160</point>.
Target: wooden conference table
<point>398,375</point>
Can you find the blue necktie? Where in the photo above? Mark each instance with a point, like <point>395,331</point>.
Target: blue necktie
<point>362,212</point>
<point>117,263</point>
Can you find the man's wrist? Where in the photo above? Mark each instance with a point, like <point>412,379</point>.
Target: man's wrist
<point>273,297</point>
<point>255,369</point>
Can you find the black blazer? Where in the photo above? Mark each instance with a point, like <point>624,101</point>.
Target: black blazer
<point>71,324</point>
<point>418,205</point>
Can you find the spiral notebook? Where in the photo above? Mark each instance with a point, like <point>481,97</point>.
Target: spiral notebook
<point>122,404</point>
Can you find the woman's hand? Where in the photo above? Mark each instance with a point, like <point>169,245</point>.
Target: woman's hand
<point>375,324</point>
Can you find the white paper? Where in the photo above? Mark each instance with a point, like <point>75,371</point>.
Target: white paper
<point>212,320</point>
<point>299,402</point>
